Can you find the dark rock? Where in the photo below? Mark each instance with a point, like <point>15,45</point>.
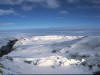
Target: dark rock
<point>84,63</point>
<point>28,62</point>
<point>36,62</point>
<point>8,48</point>
<point>9,58</point>
<point>1,73</point>
<point>98,65</point>
<point>90,66</point>
<point>1,66</point>
<point>55,51</point>
<point>97,73</point>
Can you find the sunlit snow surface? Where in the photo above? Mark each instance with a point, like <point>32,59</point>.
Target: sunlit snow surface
<point>52,54</point>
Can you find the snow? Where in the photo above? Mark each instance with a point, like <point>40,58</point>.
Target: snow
<point>5,37</point>
<point>47,65</point>
<point>53,54</point>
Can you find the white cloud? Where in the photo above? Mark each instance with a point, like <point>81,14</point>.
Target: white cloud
<point>46,3</point>
<point>82,1</point>
<point>98,16</point>
<point>43,3</point>
<point>63,12</point>
<point>52,3</point>
<point>11,2</point>
<point>27,8</point>
<point>49,3</point>
<point>38,1</point>
<point>72,1</point>
<point>5,24</point>
<point>95,1</point>
<point>7,12</point>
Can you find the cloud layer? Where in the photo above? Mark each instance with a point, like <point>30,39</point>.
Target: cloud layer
<point>28,5</point>
<point>7,12</point>
<point>63,12</point>
<point>85,3</point>
<point>43,3</point>
<point>11,2</point>
<point>50,3</point>
<point>6,24</point>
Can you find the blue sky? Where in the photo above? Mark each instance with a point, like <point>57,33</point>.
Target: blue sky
<point>22,14</point>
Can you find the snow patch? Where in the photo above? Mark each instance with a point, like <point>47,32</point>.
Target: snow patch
<point>52,61</point>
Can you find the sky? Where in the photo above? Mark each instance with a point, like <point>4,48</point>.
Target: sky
<point>23,14</point>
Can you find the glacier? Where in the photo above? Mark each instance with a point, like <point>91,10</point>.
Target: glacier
<point>51,54</point>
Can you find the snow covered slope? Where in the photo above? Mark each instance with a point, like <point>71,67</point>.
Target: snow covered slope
<point>54,54</point>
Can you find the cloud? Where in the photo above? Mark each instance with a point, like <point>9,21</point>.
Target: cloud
<point>98,16</point>
<point>84,3</point>
<point>27,8</point>
<point>72,1</point>
<point>63,12</point>
<point>52,3</point>
<point>95,1</point>
<point>6,24</point>
<point>11,2</point>
<point>46,3</point>
<point>7,12</point>
<point>79,1</point>
<point>43,3</point>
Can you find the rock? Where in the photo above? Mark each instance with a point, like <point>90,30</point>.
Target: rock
<point>1,66</point>
<point>97,73</point>
<point>9,58</point>
<point>8,48</point>
<point>29,62</point>
<point>55,51</point>
<point>1,73</point>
